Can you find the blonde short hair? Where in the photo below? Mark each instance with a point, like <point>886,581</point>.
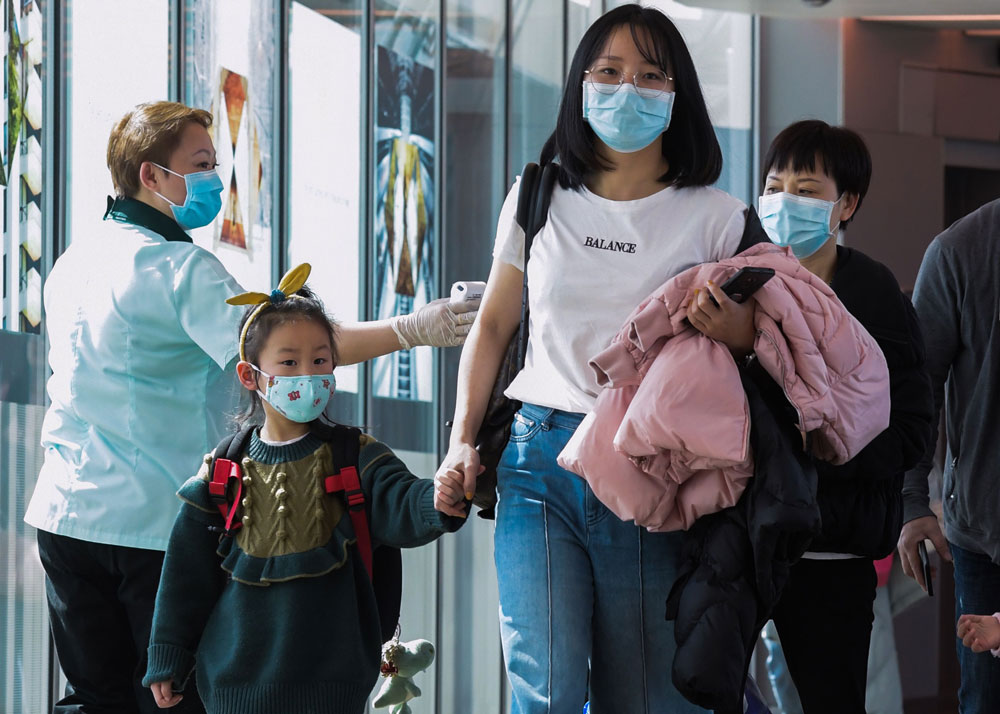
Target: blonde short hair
<point>150,132</point>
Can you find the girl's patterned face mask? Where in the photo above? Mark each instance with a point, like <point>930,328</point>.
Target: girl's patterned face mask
<point>301,398</point>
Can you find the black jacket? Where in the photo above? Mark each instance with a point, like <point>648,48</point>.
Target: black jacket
<point>861,502</point>
<point>735,562</point>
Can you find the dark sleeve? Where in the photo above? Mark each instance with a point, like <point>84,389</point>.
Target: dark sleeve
<point>906,439</point>
<point>753,231</point>
<point>936,299</point>
<point>402,505</point>
<point>190,584</point>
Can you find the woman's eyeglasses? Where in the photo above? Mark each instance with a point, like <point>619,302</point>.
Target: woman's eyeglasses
<point>606,79</point>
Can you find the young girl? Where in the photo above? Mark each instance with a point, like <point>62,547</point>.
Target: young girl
<point>278,614</point>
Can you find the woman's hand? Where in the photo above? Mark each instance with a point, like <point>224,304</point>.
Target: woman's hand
<point>163,693</point>
<point>729,322</point>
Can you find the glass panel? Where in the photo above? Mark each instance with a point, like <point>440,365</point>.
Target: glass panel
<point>721,45</point>
<point>324,85</point>
<point>231,65</point>
<point>21,168</point>
<point>537,76</point>
<point>97,101</point>
<point>476,182</point>
<point>24,638</point>
<point>403,268</point>
<point>405,222</point>
<point>580,15</point>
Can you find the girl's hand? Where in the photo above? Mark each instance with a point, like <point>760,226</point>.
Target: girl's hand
<point>458,471</point>
<point>449,497</point>
<point>163,693</point>
<point>729,322</point>
<point>979,632</point>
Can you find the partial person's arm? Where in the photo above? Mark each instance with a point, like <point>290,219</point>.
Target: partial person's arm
<point>402,504</point>
<point>203,285</point>
<point>439,323</point>
<point>499,316</point>
<point>726,321</point>
<point>190,585</point>
<point>936,301</point>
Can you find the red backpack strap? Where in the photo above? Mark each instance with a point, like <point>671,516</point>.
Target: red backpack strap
<point>225,468</point>
<point>224,471</point>
<point>347,480</point>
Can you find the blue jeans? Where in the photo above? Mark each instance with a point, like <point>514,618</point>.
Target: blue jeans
<point>977,592</point>
<point>578,586</point>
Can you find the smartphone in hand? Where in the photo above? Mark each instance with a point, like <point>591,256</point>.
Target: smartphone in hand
<point>744,283</point>
<point>925,564</point>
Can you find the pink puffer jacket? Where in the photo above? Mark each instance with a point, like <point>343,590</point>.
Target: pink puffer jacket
<point>668,440</point>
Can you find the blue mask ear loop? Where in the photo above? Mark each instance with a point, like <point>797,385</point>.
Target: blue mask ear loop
<point>836,231</point>
<point>187,191</point>
<point>262,395</point>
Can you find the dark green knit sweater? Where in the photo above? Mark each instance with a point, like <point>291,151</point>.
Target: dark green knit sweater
<point>277,629</point>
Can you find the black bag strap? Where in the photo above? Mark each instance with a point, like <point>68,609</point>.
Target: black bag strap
<point>533,200</point>
<point>753,231</point>
<point>233,445</point>
<point>344,441</point>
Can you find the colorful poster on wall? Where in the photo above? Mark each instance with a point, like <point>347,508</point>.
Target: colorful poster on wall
<point>405,251</point>
<point>233,91</point>
<point>230,63</point>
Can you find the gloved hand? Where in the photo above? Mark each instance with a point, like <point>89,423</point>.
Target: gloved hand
<point>439,323</point>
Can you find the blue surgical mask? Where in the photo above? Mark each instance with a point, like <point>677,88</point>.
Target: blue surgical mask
<point>799,222</point>
<point>203,201</point>
<point>301,398</point>
<point>625,120</point>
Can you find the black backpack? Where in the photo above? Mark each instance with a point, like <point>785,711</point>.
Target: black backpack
<point>383,563</point>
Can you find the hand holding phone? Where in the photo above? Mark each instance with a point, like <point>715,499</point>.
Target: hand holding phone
<point>925,565</point>
<point>744,283</point>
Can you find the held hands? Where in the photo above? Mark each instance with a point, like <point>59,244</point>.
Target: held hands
<point>163,693</point>
<point>729,322</point>
<point>914,532</point>
<point>979,632</point>
<point>439,323</point>
<point>455,480</point>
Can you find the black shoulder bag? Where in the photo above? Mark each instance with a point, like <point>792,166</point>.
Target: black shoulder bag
<point>532,211</point>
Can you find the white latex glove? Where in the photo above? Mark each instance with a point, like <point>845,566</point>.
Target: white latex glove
<point>439,323</point>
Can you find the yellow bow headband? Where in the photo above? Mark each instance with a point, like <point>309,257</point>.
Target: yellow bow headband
<point>291,283</point>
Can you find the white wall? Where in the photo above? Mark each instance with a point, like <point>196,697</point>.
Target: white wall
<point>904,209</point>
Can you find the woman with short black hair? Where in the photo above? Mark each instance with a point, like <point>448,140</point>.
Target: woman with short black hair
<point>579,588</point>
<point>815,177</point>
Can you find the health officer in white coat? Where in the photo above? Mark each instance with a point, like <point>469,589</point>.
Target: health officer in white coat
<point>141,345</point>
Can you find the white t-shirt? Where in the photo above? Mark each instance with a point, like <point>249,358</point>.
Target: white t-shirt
<point>592,263</point>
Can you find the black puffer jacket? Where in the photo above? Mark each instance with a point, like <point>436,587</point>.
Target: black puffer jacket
<point>861,502</point>
<point>735,562</point>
